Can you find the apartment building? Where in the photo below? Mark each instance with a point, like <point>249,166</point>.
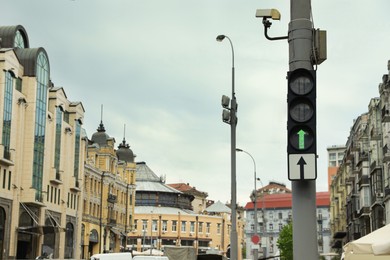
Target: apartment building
<point>360,191</point>
<point>274,210</point>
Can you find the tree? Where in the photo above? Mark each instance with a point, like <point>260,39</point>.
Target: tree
<point>285,242</point>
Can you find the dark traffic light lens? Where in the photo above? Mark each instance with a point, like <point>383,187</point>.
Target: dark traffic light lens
<point>301,111</point>
<point>301,85</point>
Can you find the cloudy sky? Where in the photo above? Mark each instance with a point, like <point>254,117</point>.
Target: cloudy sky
<point>156,67</point>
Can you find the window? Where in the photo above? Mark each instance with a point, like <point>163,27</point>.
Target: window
<point>200,227</point>
<point>183,226</point>
<point>280,215</point>
<point>174,225</point>
<point>144,225</point>
<point>154,225</point>
<point>192,226</point>
<point>280,226</point>
<point>57,154</point>
<point>208,224</point>
<point>271,226</point>
<point>135,224</point>
<point>42,77</point>
<point>7,115</point>
<point>19,40</point>
<point>77,151</point>
<point>164,225</point>
<point>219,228</point>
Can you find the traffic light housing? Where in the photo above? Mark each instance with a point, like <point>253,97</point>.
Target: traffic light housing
<point>301,122</point>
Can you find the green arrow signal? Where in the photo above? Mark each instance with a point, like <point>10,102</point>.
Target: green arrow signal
<point>301,139</point>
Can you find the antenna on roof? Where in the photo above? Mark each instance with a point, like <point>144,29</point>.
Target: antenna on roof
<point>101,113</point>
<point>101,126</point>
<point>124,132</point>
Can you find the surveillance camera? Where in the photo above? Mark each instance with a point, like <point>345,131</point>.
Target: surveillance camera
<point>268,13</point>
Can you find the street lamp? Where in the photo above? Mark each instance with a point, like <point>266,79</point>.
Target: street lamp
<point>230,117</point>
<point>255,238</point>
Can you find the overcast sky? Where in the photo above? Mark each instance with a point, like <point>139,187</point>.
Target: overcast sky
<point>156,67</point>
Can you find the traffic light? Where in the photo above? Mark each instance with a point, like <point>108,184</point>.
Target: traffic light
<point>301,122</point>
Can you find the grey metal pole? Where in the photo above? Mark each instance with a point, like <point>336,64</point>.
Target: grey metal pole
<point>255,250</point>
<point>233,125</point>
<point>300,39</point>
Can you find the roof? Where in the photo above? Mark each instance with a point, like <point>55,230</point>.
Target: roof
<point>218,207</point>
<point>284,200</point>
<point>274,187</point>
<point>186,188</point>
<point>147,180</point>
<point>7,35</point>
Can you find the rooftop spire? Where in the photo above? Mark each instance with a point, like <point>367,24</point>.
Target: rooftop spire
<point>101,126</point>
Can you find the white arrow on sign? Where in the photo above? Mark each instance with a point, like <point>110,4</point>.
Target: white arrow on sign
<point>302,167</point>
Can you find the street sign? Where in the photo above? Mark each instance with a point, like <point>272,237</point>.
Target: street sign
<point>255,239</point>
<point>302,167</point>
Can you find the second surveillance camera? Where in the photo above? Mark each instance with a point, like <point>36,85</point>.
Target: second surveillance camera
<point>274,14</point>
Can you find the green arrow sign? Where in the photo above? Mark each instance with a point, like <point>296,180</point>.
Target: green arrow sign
<point>301,139</point>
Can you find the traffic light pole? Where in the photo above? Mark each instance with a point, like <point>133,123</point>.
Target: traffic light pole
<point>300,38</point>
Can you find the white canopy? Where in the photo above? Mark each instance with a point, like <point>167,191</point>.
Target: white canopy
<point>375,245</point>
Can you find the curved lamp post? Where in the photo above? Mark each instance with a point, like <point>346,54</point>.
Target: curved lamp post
<point>232,120</point>
<point>256,250</point>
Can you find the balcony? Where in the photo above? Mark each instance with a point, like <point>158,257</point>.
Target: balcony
<point>374,166</point>
<point>76,186</point>
<point>111,222</point>
<point>112,198</point>
<point>385,114</point>
<point>386,154</point>
<point>387,192</point>
<point>6,157</point>
<point>55,176</point>
<point>376,134</point>
<point>363,181</point>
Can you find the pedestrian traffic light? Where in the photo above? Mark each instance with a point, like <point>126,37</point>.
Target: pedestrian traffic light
<point>301,122</point>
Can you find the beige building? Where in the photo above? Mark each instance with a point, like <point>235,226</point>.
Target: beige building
<point>41,151</point>
<point>164,216</point>
<point>109,195</point>
<point>199,203</point>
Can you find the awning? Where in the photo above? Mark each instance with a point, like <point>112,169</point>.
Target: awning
<point>40,230</point>
<point>116,231</point>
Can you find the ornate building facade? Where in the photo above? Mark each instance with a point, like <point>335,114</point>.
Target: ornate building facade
<point>109,195</point>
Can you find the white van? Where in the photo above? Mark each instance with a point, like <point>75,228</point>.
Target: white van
<point>150,257</point>
<point>112,256</point>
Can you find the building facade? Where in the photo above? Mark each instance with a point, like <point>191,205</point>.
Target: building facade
<point>164,216</point>
<point>360,191</point>
<point>40,155</point>
<point>109,195</point>
<point>274,211</point>
<point>335,158</point>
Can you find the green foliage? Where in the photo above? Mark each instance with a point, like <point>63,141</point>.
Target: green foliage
<point>285,242</point>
